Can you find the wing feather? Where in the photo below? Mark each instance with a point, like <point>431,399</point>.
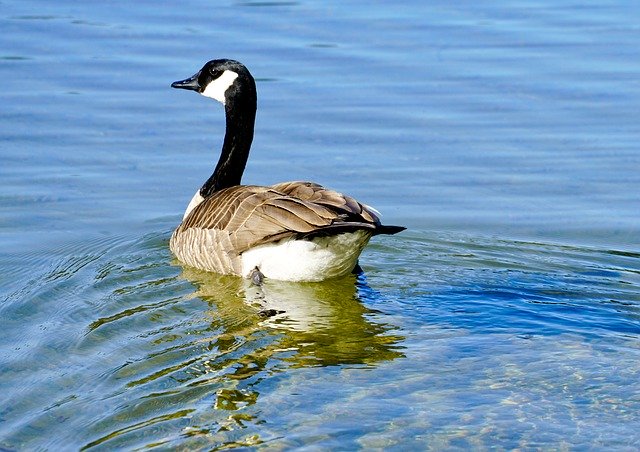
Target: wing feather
<point>253,215</point>
<point>310,191</point>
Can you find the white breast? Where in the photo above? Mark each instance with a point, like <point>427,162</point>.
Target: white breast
<point>307,260</point>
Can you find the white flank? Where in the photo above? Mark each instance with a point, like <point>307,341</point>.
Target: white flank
<point>197,199</point>
<point>219,86</point>
<point>307,260</point>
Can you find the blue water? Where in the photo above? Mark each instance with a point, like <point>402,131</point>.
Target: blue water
<point>504,135</point>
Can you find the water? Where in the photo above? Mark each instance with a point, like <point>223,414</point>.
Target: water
<point>504,136</point>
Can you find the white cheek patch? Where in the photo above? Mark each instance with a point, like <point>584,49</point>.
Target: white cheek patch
<point>219,86</point>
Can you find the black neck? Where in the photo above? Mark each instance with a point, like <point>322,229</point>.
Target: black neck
<point>240,111</point>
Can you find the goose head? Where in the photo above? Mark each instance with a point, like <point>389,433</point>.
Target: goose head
<point>230,83</point>
<point>222,80</point>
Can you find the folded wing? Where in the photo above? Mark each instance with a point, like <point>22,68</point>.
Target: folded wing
<point>254,215</point>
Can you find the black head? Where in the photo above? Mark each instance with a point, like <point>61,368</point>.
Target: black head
<point>220,80</point>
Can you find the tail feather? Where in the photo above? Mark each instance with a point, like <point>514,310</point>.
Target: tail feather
<point>340,228</point>
<point>388,230</point>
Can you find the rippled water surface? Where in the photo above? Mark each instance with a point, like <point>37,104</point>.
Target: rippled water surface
<point>503,135</point>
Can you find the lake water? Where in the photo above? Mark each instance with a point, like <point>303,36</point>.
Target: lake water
<point>504,135</point>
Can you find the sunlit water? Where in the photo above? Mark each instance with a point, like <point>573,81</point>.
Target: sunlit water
<point>504,136</point>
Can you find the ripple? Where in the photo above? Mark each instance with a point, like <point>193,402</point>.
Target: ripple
<point>38,17</point>
<point>268,3</point>
<point>14,58</point>
<point>196,359</point>
<point>512,121</point>
<point>148,335</point>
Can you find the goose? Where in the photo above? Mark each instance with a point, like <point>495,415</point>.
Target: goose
<point>292,231</point>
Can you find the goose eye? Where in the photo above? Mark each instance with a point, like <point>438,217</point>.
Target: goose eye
<point>215,73</point>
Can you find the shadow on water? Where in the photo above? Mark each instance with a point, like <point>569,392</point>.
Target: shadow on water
<point>199,379</point>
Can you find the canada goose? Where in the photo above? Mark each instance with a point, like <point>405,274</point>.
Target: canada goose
<point>294,231</point>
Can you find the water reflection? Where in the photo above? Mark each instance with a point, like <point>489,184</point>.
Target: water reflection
<point>201,362</point>
<point>258,332</point>
<point>321,323</point>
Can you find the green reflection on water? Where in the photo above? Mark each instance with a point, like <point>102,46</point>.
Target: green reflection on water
<point>238,345</point>
<point>321,323</point>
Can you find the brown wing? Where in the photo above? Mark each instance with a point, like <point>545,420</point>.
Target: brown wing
<point>312,192</point>
<point>253,215</point>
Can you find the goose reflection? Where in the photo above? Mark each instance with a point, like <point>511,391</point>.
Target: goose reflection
<point>318,323</point>
<point>199,365</point>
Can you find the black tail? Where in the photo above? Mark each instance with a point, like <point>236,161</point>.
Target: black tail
<point>388,230</point>
<point>339,228</point>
